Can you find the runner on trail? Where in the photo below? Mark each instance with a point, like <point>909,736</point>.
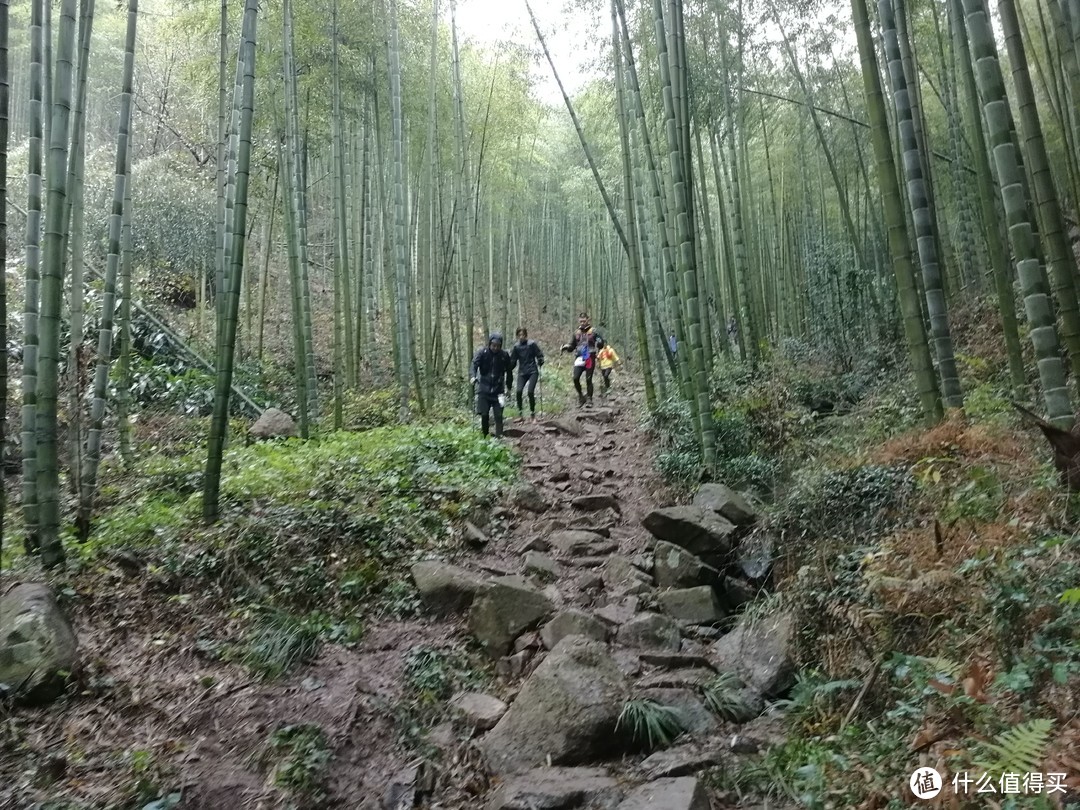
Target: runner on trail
<point>492,375</point>
<point>589,342</point>
<point>608,359</point>
<point>527,357</point>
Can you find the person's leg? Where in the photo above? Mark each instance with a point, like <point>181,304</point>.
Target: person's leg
<point>532,392</point>
<point>482,406</point>
<point>498,411</point>
<point>520,387</point>
<point>578,370</point>
<point>605,373</point>
<point>588,381</point>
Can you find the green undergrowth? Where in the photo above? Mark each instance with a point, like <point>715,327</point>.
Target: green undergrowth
<point>933,573</point>
<point>297,758</point>
<point>314,536</point>
<point>432,676</point>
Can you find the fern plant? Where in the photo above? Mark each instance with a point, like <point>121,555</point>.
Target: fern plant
<point>1020,749</point>
<point>650,724</point>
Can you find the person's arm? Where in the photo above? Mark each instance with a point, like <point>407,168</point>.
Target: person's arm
<point>513,357</point>
<point>509,374</point>
<point>474,372</point>
<point>569,347</point>
<point>615,357</point>
<point>539,355</point>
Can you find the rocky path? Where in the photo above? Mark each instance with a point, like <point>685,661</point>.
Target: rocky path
<point>591,588</point>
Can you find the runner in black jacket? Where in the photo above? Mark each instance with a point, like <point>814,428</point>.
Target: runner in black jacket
<point>527,357</point>
<point>492,375</point>
<point>588,342</point>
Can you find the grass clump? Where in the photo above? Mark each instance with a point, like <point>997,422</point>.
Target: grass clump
<point>650,724</point>
<point>725,697</point>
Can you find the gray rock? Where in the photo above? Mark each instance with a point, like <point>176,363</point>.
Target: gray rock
<point>514,667</point>
<point>478,710</point>
<point>574,543</point>
<point>541,565</point>
<point>619,573</point>
<point>273,424</point>
<point>697,720</point>
<point>759,735</point>
<point>680,793</point>
<point>474,537</point>
<point>628,661</point>
<point>727,502</point>
<point>505,609</point>
<point>677,660</point>
<point>588,562</point>
<point>594,503</point>
<point>682,761</point>
<point>556,789</point>
<point>737,592</point>
<point>693,678</point>
<point>567,710</point>
<point>38,648</point>
<point>761,652</point>
<point>527,496</point>
<point>675,567</point>
<point>756,554</point>
<point>650,631</point>
<point>572,623</point>
<point>692,605</point>
<point>445,589</point>
<point>699,531</point>
<point>618,613</point>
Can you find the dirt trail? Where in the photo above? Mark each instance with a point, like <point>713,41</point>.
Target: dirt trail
<point>352,694</point>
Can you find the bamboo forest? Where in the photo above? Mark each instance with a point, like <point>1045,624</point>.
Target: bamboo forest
<point>540,404</point>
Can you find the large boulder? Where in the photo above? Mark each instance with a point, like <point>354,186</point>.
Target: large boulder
<point>38,648</point>
<point>727,502</point>
<point>761,652</point>
<point>650,631</point>
<point>692,605</point>
<point>566,711</point>
<point>675,567</point>
<point>505,609</point>
<point>680,793</point>
<point>572,623</point>
<point>699,531</point>
<point>273,424</point>
<point>445,589</point>
<point>558,788</point>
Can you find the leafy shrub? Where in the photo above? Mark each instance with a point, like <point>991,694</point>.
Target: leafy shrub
<point>370,409</point>
<point>847,502</point>
<point>278,642</point>
<point>752,472</point>
<point>302,755</point>
<point>678,455</point>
